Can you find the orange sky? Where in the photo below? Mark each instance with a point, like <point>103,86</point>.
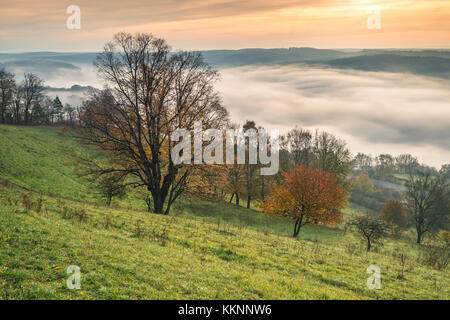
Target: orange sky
<point>219,24</point>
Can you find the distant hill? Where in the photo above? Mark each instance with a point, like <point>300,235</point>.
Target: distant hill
<point>421,65</point>
<point>75,87</point>
<point>410,53</point>
<point>227,58</point>
<point>422,62</point>
<point>70,57</point>
<point>43,67</point>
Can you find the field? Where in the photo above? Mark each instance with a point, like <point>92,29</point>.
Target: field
<point>50,218</point>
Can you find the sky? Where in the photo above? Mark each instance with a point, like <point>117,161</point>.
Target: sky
<point>226,24</point>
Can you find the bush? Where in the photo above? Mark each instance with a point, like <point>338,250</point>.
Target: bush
<point>371,229</point>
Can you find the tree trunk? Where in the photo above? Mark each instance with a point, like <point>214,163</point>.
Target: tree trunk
<point>237,198</point>
<point>419,229</point>
<point>158,204</point>
<point>263,192</point>
<point>149,204</point>
<point>248,201</point>
<point>158,201</point>
<point>369,245</point>
<point>232,196</point>
<point>26,115</point>
<point>297,226</point>
<point>167,209</point>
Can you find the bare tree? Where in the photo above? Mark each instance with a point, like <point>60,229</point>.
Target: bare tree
<point>250,174</point>
<point>112,186</point>
<point>362,162</point>
<point>405,163</point>
<point>69,111</point>
<point>32,88</point>
<point>17,103</point>
<point>150,93</point>
<point>332,155</point>
<point>423,196</point>
<point>371,229</point>
<point>300,146</point>
<point>6,93</point>
<point>385,166</point>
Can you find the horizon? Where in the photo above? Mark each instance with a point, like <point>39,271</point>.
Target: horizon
<point>258,48</point>
<point>205,25</point>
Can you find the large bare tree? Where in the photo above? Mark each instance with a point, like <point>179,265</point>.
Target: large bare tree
<point>149,92</point>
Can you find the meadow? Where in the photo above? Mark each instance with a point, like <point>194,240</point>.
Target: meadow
<point>51,218</point>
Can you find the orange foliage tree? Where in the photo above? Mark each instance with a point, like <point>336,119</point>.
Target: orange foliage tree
<point>308,196</point>
<point>394,214</point>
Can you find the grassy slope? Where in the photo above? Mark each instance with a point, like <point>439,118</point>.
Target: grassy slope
<point>205,251</point>
<point>43,159</point>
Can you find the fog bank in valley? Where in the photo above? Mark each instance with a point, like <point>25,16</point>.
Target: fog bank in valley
<point>374,112</point>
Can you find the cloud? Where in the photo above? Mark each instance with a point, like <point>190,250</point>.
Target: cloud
<point>373,111</point>
<point>213,24</point>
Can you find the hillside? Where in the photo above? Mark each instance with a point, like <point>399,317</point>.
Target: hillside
<point>51,218</point>
<point>420,65</point>
<point>434,63</point>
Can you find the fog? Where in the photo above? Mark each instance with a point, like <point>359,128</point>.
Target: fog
<point>374,112</point>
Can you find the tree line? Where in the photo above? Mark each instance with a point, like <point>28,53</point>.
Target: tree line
<point>26,103</point>
<point>385,166</point>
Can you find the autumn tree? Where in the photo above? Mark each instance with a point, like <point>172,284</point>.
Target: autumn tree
<point>395,215</point>
<point>321,151</point>
<point>362,184</point>
<point>150,92</point>
<point>371,229</point>
<point>307,195</point>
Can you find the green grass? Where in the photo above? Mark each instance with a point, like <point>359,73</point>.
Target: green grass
<point>202,251</point>
<point>45,160</point>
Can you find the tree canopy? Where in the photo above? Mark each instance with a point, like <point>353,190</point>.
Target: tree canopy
<point>307,195</point>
